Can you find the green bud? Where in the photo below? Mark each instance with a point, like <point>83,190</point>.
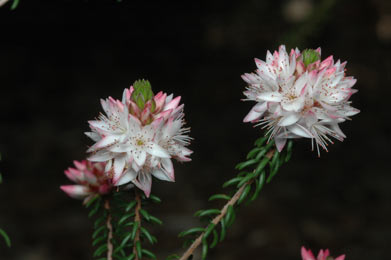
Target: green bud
<point>310,56</point>
<point>142,93</point>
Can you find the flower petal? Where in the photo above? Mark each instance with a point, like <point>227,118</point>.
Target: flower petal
<point>100,156</point>
<point>289,119</point>
<point>161,175</point>
<point>156,150</point>
<point>119,164</point>
<point>270,96</point>
<point>144,183</point>
<point>128,176</point>
<point>307,255</point>
<point>76,191</point>
<point>300,131</point>
<point>168,168</point>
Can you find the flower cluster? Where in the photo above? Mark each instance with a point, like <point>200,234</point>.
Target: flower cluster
<point>322,255</point>
<point>139,135</point>
<point>90,178</point>
<point>298,95</point>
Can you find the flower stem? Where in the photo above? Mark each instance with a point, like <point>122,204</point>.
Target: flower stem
<point>110,230</point>
<point>218,218</point>
<point>137,221</point>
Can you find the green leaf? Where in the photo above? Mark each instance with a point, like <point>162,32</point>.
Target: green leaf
<point>273,172</point>
<point>232,181</point>
<point>148,253</point>
<point>173,256</point>
<point>245,164</point>
<point>204,249</point>
<point>207,212</point>
<point>97,240</point>
<point>138,249</point>
<point>289,151</point>
<point>155,199</point>
<point>259,185</point>
<point>260,141</point>
<point>92,200</point>
<point>191,231</point>
<point>223,231</point>
<point>99,221</point>
<point>100,250</point>
<point>247,178</point>
<point>130,206</point>
<point>96,233</point>
<point>208,230</point>
<point>6,237</point>
<point>155,220</point>
<point>145,214</point>
<point>14,4</point>
<point>253,152</point>
<point>134,230</point>
<point>275,158</point>
<point>261,165</point>
<point>260,154</point>
<point>94,209</point>
<point>124,218</point>
<point>230,217</point>
<point>244,194</point>
<point>215,239</point>
<point>147,235</point>
<point>219,196</point>
<point>125,240</point>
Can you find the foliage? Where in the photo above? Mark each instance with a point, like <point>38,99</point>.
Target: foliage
<point>262,164</point>
<point>128,231</point>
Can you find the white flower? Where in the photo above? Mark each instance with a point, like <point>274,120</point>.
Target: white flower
<point>298,95</point>
<point>139,136</point>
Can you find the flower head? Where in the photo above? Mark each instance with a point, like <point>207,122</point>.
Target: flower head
<point>139,136</point>
<point>299,95</point>
<point>90,178</point>
<point>322,255</point>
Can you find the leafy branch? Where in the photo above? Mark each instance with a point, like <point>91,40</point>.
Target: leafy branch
<point>257,160</point>
<point>118,231</point>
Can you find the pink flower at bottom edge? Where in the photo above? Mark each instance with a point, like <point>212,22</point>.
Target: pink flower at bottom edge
<point>322,255</point>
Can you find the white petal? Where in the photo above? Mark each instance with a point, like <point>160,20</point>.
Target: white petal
<point>119,164</point>
<point>300,131</point>
<point>156,150</point>
<point>161,175</point>
<point>294,105</point>
<point>300,84</point>
<point>168,168</point>
<point>144,182</point>
<point>139,157</point>
<point>289,119</point>
<point>76,191</point>
<point>280,143</point>
<point>128,176</point>
<point>270,96</point>
<point>104,142</point>
<point>252,115</point>
<point>94,136</point>
<point>100,156</point>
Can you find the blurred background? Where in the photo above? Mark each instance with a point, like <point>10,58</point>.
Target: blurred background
<point>58,58</point>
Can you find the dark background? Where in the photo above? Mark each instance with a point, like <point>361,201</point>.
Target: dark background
<point>58,58</point>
